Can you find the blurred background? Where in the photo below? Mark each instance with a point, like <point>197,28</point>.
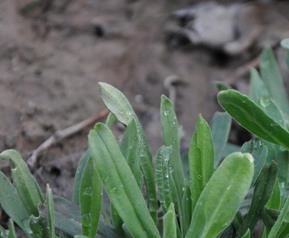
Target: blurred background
<point>53,53</point>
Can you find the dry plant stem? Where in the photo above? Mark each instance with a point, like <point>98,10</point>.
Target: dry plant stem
<point>242,71</point>
<point>62,134</point>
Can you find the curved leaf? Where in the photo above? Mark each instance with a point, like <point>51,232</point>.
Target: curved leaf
<point>118,104</point>
<point>222,196</point>
<point>164,177</point>
<point>281,218</point>
<point>11,202</point>
<point>78,175</point>
<point>260,153</point>
<point>171,138</point>
<point>120,183</point>
<point>247,234</point>
<point>275,199</point>
<point>201,159</point>
<point>263,189</point>
<point>90,198</point>
<point>170,227</point>
<point>252,117</point>
<point>12,232</point>
<point>26,185</point>
<point>130,148</point>
<point>221,125</point>
<point>272,78</point>
<point>67,220</point>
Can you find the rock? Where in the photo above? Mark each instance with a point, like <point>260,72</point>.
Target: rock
<point>232,28</point>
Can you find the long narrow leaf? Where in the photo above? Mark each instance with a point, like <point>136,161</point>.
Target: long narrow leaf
<point>222,196</point>
<point>68,220</point>
<point>170,227</point>
<point>187,207</point>
<point>273,80</point>
<point>11,202</point>
<point>130,147</point>
<point>258,89</point>
<point>164,176</point>
<point>247,234</point>
<point>252,117</point>
<point>171,138</point>
<point>281,218</point>
<point>260,153</point>
<point>117,223</point>
<point>221,125</point>
<point>263,189</point>
<point>90,198</point>
<point>118,104</point>
<point>260,95</point>
<point>120,183</point>
<point>78,175</point>
<point>275,199</point>
<point>26,185</point>
<point>201,159</point>
<point>3,233</point>
<point>12,232</point>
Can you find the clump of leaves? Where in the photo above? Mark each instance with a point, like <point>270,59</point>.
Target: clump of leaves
<point>265,113</point>
<point>147,198</point>
<point>121,191</point>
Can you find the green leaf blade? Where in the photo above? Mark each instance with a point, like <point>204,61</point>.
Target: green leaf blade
<point>11,202</point>
<point>252,117</point>
<point>130,147</point>
<point>275,199</point>
<point>164,177</point>
<point>12,232</point>
<point>170,227</point>
<point>263,189</point>
<point>222,196</point>
<point>120,183</point>
<point>221,125</point>
<point>281,218</point>
<point>90,198</point>
<point>259,151</point>
<point>201,159</point>
<point>171,138</point>
<point>51,213</point>
<point>26,185</point>
<point>78,175</point>
<point>273,79</point>
<point>118,104</point>
<point>247,234</point>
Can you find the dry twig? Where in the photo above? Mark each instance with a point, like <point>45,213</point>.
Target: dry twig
<point>63,134</point>
<point>243,70</point>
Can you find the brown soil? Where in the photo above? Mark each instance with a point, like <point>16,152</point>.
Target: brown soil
<point>52,58</point>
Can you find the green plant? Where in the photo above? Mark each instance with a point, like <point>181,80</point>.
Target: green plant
<point>201,204</point>
<point>121,191</point>
<point>265,113</point>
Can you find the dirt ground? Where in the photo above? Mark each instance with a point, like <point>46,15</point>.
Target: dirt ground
<point>52,57</point>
